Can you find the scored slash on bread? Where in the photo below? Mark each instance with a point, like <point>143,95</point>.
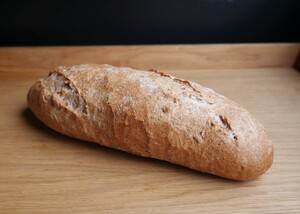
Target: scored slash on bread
<point>152,114</point>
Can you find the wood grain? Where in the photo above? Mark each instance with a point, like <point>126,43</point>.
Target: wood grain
<point>42,171</point>
<point>147,57</point>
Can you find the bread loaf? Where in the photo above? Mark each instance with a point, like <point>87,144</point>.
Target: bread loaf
<point>152,114</point>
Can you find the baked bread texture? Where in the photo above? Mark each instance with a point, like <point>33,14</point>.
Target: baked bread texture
<point>152,114</point>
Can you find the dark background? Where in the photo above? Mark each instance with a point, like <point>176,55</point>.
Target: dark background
<point>37,22</point>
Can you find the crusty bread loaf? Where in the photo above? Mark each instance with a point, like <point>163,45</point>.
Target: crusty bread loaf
<point>155,115</point>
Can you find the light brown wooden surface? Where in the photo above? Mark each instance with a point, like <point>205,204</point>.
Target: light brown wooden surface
<point>152,56</point>
<point>42,171</point>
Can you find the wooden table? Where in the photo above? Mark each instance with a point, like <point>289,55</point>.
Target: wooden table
<point>42,171</point>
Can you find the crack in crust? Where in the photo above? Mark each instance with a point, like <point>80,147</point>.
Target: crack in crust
<point>180,81</point>
<point>225,122</point>
<point>227,126</point>
<point>66,92</point>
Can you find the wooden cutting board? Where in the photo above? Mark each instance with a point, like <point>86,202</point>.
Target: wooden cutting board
<point>42,171</point>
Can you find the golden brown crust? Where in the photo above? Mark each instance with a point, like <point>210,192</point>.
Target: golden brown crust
<point>152,114</point>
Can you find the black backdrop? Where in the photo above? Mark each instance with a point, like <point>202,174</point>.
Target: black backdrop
<point>38,22</point>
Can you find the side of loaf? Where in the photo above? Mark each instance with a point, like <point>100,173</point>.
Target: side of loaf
<point>155,115</point>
